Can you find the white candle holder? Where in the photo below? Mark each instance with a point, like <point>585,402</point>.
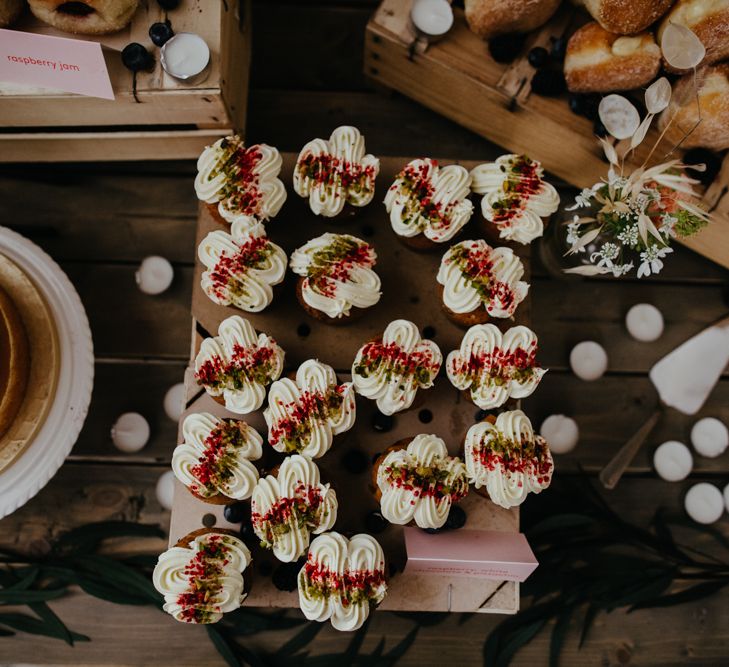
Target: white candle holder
<point>154,275</point>
<point>673,461</point>
<point>588,360</point>
<point>130,432</point>
<point>644,322</point>
<point>431,19</point>
<point>704,503</point>
<point>561,433</point>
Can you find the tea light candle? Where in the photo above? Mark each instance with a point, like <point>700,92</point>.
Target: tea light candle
<point>726,497</point>
<point>644,322</point>
<point>154,275</point>
<point>588,360</point>
<point>709,437</point>
<point>165,489</point>
<point>130,432</point>
<point>432,18</point>
<point>186,57</point>
<point>560,432</point>
<point>174,401</point>
<point>673,461</point>
<point>704,503</point>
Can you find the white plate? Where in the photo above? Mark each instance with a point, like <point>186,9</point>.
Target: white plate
<point>55,438</point>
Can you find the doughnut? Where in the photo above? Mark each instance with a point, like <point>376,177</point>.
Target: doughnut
<point>90,17</point>
<point>625,17</point>
<point>488,18</point>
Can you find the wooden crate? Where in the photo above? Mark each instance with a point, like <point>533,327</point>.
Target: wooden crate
<point>172,120</point>
<point>457,78</point>
<point>410,291</point>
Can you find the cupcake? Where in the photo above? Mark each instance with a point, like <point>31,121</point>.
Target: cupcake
<point>505,460</point>
<point>336,280</point>
<point>416,481</point>
<point>235,366</point>
<point>429,204</point>
<point>201,578</point>
<point>479,282</point>
<point>241,268</point>
<point>391,368</point>
<point>291,504</point>
<point>304,414</point>
<point>336,173</point>
<point>342,580</point>
<point>517,201</point>
<point>492,367</point>
<point>214,461</point>
<point>239,183</point>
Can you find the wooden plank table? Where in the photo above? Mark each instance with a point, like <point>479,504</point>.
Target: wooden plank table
<point>98,222</point>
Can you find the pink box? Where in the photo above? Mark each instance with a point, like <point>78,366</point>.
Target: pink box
<point>480,554</point>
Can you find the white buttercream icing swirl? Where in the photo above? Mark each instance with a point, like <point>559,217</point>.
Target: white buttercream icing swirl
<point>508,458</point>
<point>342,579</point>
<point>215,457</point>
<point>237,364</point>
<point>494,366</point>
<point>337,274</point>
<point>390,370</point>
<point>203,580</point>
<point>516,196</point>
<point>474,275</point>
<point>421,483</point>
<point>430,200</point>
<point>287,507</point>
<point>241,268</point>
<point>336,172</point>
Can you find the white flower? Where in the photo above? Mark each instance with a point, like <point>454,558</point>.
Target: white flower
<point>651,260</point>
<point>668,223</point>
<point>610,250</point>
<point>622,269</point>
<point>573,235</point>
<point>629,236</point>
<point>605,256</point>
<point>584,199</point>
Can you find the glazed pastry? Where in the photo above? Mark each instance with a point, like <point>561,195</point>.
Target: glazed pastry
<point>342,579</point>
<point>505,460</point>
<point>334,173</point>
<point>517,201</point>
<point>290,505</point>
<point>492,367</point>
<point>241,268</point>
<point>236,365</point>
<point>91,17</point>
<point>15,361</point>
<point>303,416</point>
<point>598,61</point>
<point>429,204</point>
<point>391,369</point>
<point>336,277</point>
<point>239,183</point>
<point>708,20</point>
<point>10,10</point>
<point>214,461</point>
<point>713,97</point>
<point>625,17</point>
<point>201,578</point>
<point>488,18</point>
<point>479,282</point>
<point>418,482</point>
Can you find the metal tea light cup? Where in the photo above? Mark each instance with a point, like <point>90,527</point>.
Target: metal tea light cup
<point>431,19</point>
<point>186,57</point>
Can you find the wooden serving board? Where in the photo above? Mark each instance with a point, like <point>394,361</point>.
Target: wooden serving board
<point>409,291</point>
<point>458,78</point>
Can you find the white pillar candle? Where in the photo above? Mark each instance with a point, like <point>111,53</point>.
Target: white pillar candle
<point>154,275</point>
<point>644,322</point>
<point>165,489</point>
<point>588,360</point>
<point>704,503</point>
<point>433,18</point>
<point>709,437</point>
<point>130,432</point>
<point>185,56</point>
<point>560,432</point>
<point>673,461</point>
<point>174,402</point>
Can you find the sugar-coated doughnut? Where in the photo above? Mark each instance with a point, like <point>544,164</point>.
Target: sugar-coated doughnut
<point>488,18</point>
<point>625,17</point>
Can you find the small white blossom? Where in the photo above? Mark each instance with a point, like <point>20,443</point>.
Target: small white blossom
<point>629,236</point>
<point>622,269</point>
<point>582,200</point>
<point>573,235</point>
<point>610,250</point>
<point>604,257</point>
<point>651,260</point>
<point>668,224</point>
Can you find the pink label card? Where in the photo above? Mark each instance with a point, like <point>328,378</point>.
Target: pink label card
<point>54,62</point>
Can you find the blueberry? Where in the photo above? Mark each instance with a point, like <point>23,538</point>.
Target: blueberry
<point>505,48</point>
<point>247,533</point>
<point>433,531</point>
<point>599,129</point>
<point>591,106</point>
<point>577,103</point>
<point>375,522</point>
<point>235,513</point>
<point>382,423</point>
<point>168,4</point>
<point>355,461</point>
<point>703,156</point>
<point>159,33</point>
<point>136,58</point>
<point>425,416</point>
<point>538,57</point>
<point>456,518</point>
<point>285,576</point>
<point>480,415</point>
<point>548,82</point>
<point>558,48</point>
